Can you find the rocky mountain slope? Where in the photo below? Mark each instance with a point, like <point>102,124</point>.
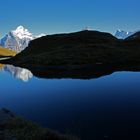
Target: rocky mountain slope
<point>18,39</point>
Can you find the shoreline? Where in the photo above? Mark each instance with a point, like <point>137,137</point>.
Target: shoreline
<point>13,127</point>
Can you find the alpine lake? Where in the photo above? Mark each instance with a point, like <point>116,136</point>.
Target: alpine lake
<point>98,106</point>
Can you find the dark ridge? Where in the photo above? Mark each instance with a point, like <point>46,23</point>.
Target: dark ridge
<point>69,40</point>
<point>78,49</point>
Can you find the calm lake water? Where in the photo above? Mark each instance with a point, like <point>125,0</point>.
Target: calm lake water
<point>104,108</point>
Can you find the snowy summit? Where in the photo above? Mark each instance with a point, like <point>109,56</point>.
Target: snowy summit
<point>17,39</point>
<point>120,34</point>
<point>21,32</point>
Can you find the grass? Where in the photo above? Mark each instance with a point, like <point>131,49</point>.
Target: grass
<point>22,129</point>
<point>6,52</point>
<point>80,48</point>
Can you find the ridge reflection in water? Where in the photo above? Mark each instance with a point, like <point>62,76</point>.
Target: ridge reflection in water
<point>85,73</point>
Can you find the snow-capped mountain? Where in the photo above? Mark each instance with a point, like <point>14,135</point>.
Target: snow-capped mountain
<point>22,33</point>
<point>120,34</point>
<point>17,39</point>
<point>134,36</point>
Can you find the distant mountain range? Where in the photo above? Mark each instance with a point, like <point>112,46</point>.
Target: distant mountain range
<point>18,39</point>
<point>120,34</point>
<point>135,36</point>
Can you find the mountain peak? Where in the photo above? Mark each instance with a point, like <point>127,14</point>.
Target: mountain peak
<point>18,39</point>
<point>121,34</point>
<point>22,32</point>
<point>20,27</point>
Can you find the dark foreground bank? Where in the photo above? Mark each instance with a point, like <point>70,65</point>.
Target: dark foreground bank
<point>13,127</point>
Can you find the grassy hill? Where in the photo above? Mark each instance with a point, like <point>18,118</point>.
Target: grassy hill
<point>78,49</point>
<point>6,52</point>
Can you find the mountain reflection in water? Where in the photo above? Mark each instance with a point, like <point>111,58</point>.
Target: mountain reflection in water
<point>88,72</point>
<point>79,72</point>
<point>18,73</point>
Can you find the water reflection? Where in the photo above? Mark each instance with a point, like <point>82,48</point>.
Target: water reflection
<point>18,73</point>
<point>105,108</point>
<point>89,72</point>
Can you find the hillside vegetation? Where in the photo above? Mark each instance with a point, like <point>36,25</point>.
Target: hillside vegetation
<point>79,49</point>
<point>6,52</point>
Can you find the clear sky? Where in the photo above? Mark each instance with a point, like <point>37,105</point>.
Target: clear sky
<point>53,16</point>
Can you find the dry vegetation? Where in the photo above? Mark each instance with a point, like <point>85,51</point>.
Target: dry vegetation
<point>6,52</point>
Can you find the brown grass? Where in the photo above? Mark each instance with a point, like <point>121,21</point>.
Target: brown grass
<point>6,52</point>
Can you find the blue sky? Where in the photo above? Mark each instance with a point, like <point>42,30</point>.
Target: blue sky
<point>54,16</point>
